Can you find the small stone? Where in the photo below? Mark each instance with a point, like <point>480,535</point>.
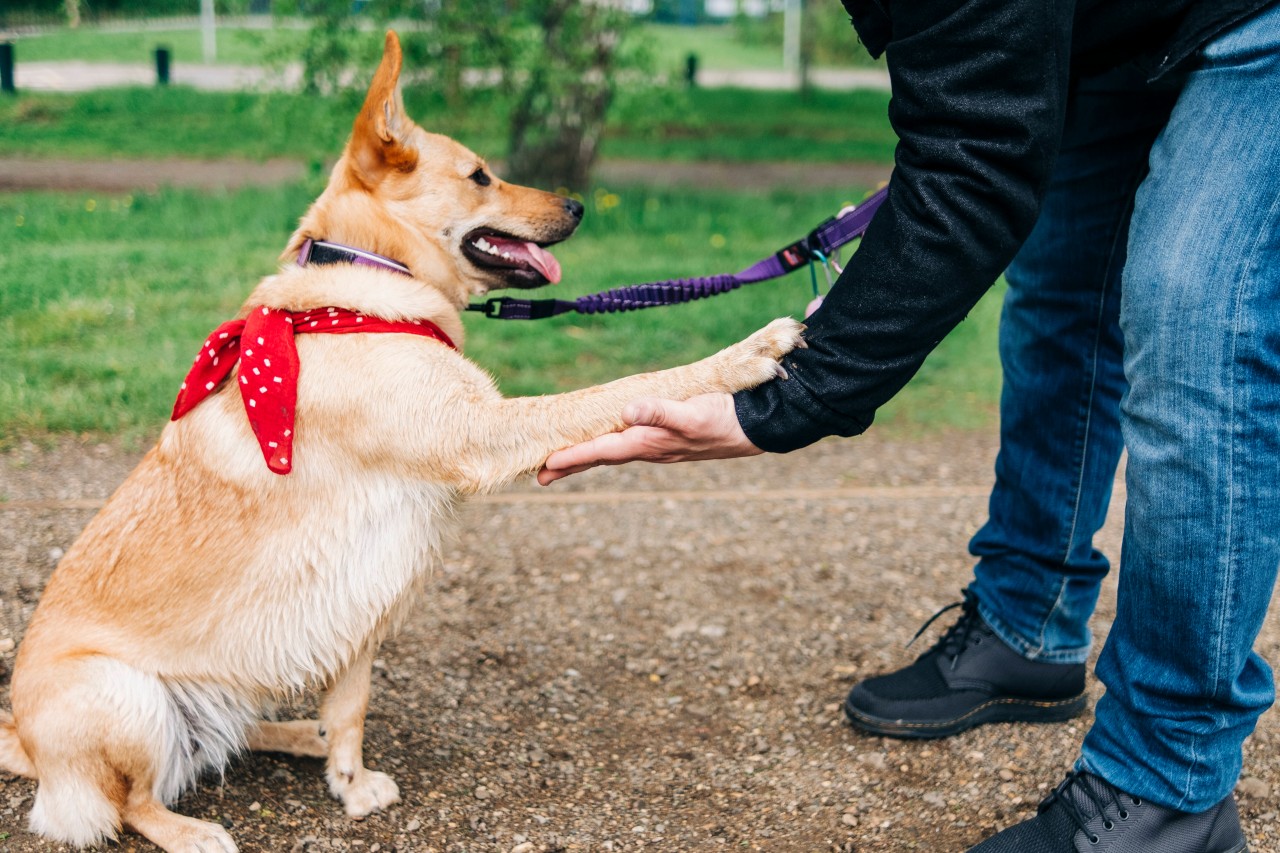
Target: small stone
<point>413,825</point>
<point>255,806</point>
<point>523,847</point>
<point>1253,788</point>
<point>849,819</point>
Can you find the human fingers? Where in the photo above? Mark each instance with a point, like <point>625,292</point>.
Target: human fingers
<point>610,449</point>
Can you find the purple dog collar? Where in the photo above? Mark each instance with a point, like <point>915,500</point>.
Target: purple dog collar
<point>322,252</point>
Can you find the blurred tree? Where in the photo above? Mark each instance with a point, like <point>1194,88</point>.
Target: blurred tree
<point>557,60</point>
<point>560,109</point>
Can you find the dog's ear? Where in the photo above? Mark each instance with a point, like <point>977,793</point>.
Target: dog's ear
<point>379,139</point>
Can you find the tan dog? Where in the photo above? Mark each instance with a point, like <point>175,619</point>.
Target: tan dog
<point>209,586</point>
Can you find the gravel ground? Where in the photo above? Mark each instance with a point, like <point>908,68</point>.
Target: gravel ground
<point>644,658</point>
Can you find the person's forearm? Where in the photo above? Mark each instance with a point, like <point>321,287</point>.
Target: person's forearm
<point>978,98</point>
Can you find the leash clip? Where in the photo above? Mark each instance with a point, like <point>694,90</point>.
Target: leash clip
<point>806,250</point>
<point>490,307</point>
<point>818,241</point>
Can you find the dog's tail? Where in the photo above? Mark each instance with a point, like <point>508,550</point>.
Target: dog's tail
<point>13,758</point>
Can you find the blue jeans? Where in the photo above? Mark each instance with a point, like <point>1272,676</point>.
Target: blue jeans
<point>1144,312</point>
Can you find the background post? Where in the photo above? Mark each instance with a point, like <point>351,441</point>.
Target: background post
<point>6,68</point>
<point>162,66</point>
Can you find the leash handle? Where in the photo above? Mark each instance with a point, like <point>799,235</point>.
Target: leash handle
<point>821,242</point>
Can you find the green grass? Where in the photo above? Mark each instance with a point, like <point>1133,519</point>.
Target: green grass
<point>235,45</point>
<point>174,122</point>
<point>745,126</point>
<point>103,299</point>
<point>703,124</point>
<point>717,46</point>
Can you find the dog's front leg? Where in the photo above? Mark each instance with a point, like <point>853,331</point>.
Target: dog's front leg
<point>516,435</point>
<point>342,713</point>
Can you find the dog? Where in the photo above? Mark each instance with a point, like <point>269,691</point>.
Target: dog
<point>260,550</point>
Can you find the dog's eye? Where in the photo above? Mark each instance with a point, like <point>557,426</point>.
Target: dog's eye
<point>481,177</point>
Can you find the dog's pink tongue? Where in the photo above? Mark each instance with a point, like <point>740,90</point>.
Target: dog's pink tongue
<point>544,262</point>
<point>530,253</point>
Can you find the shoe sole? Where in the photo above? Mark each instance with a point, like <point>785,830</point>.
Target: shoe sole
<point>995,711</point>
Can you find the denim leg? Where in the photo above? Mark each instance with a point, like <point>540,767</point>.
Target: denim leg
<point>1038,574</point>
<point>1200,315</point>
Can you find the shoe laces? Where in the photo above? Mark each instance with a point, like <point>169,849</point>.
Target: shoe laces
<point>1073,793</point>
<point>956,639</point>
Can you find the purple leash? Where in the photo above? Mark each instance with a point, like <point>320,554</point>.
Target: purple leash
<point>820,244</point>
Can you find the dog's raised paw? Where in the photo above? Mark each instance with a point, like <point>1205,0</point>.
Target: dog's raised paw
<point>755,360</point>
<point>778,338</point>
<point>366,792</point>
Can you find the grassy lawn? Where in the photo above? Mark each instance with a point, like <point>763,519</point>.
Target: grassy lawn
<point>702,124</point>
<point>236,45</point>
<point>717,46</point>
<point>102,300</point>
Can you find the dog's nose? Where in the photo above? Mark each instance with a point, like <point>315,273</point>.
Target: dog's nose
<point>574,208</point>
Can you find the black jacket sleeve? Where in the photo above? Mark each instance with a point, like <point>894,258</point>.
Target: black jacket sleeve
<point>978,104</point>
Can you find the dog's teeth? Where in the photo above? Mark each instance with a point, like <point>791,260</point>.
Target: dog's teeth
<point>506,255</point>
<point>485,246</point>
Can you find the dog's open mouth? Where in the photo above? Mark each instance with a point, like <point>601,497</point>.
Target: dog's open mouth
<point>524,263</point>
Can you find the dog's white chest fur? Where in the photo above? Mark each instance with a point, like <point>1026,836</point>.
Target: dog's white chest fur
<point>341,578</point>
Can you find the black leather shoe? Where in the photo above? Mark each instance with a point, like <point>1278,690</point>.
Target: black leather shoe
<point>1086,813</point>
<point>969,677</point>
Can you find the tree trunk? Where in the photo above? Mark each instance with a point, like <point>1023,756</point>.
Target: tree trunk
<point>559,116</point>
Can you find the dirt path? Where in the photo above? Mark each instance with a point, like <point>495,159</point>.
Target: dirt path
<point>640,658</point>
<point>34,173</point>
<point>646,658</point>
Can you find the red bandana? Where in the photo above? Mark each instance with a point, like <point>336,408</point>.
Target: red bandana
<point>269,367</point>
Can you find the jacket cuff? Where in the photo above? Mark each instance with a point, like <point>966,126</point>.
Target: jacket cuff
<point>782,415</point>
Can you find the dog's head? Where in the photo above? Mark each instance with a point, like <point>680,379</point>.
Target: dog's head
<point>430,203</point>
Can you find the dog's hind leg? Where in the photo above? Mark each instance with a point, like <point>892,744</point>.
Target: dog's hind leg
<point>147,816</point>
<point>291,737</point>
<point>69,734</point>
<point>13,758</point>
<point>110,743</point>
<point>361,790</point>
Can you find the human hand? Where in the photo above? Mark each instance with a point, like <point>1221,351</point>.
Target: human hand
<point>702,427</point>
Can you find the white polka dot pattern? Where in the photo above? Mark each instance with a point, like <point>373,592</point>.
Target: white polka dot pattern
<point>271,405</point>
